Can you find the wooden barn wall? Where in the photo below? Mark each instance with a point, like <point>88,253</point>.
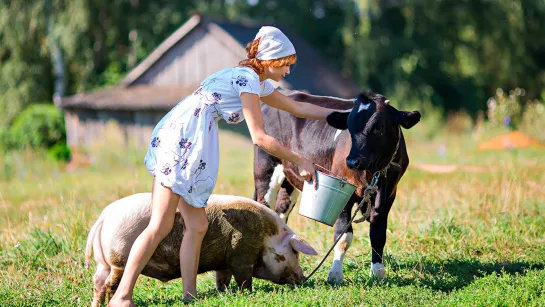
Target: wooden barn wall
<point>190,61</point>
<point>91,127</point>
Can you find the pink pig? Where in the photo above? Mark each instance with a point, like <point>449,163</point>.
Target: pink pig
<point>245,239</point>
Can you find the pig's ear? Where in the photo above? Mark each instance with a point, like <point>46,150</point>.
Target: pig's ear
<point>301,246</point>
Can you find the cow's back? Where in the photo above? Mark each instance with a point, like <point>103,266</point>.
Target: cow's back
<point>312,138</point>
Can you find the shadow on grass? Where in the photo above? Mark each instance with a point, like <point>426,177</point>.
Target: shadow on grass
<point>443,276</point>
<point>451,275</point>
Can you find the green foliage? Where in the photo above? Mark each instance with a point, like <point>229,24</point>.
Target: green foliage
<point>7,167</point>
<point>40,125</point>
<point>455,52</point>
<point>533,120</point>
<point>60,152</point>
<point>451,53</point>
<point>505,109</point>
<point>36,249</point>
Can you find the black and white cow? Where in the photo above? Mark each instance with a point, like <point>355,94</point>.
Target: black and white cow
<point>354,145</point>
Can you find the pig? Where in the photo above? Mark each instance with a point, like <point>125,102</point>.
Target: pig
<point>244,239</point>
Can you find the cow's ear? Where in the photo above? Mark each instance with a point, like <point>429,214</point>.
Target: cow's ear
<point>408,119</point>
<point>338,120</point>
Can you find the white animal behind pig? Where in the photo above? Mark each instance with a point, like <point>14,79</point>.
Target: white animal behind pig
<point>244,239</point>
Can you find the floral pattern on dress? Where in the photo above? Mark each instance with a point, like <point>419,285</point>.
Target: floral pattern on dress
<point>166,169</point>
<point>234,118</point>
<point>241,81</point>
<point>185,143</point>
<point>155,142</point>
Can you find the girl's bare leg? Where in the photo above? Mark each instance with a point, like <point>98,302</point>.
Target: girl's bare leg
<point>164,203</point>
<point>196,225</point>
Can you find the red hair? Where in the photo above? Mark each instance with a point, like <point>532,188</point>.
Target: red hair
<point>258,65</point>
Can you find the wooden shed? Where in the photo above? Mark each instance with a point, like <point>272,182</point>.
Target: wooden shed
<point>200,47</point>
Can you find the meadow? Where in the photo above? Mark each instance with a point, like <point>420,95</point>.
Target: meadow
<point>471,237</point>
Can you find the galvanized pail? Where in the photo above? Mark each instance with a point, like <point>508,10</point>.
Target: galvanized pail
<point>326,202</point>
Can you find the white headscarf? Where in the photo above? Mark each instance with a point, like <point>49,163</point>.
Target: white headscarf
<point>273,44</point>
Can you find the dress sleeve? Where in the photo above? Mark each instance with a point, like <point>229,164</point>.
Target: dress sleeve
<point>244,81</point>
<point>266,88</point>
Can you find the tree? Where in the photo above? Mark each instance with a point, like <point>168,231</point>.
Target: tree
<point>454,53</point>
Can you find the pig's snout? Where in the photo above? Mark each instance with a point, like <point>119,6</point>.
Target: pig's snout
<point>292,277</point>
<point>299,276</point>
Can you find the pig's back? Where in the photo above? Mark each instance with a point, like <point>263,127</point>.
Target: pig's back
<point>237,229</point>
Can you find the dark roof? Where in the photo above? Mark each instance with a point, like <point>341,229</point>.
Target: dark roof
<point>138,97</point>
<point>312,73</point>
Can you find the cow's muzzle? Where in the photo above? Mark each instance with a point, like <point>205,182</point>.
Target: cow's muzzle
<point>356,163</point>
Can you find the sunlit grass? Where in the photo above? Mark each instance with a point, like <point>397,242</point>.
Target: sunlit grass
<point>469,237</point>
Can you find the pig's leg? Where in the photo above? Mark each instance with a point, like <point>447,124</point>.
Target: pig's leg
<point>112,282</point>
<point>99,280</point>
<point>243,277</point>
<point>223,278</point>
<point>336,273</point>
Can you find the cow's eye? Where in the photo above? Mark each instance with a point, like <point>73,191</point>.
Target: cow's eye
<point>377,129</point>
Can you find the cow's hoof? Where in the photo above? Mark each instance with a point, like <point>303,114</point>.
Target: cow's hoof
<point>377,271</point>
<point>335,276</point>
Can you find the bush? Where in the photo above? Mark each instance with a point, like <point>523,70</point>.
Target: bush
<point>39,125</point>
<point>533,120</point>
<point>505,110</point>
<point>60,152</point>
<point>3,138</point>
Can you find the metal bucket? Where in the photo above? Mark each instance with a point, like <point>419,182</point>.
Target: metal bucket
<point>326,202</point>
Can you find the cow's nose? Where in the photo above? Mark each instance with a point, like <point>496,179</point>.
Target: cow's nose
<point>353,163</point>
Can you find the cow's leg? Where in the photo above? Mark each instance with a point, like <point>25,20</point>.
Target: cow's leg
<point>287,197</point>
<point>293,200</point>
<point>377,234</point>
<point>268,177</point>
<point>223,278</point>
<point>275,183</point>
<point>336,273</point>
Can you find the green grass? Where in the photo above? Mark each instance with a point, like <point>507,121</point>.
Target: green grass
<point>454,239</point>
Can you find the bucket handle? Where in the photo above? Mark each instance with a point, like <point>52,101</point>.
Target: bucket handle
<point>343,181</point>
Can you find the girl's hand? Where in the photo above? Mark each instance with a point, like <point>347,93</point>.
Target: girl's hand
<point>308,172</point>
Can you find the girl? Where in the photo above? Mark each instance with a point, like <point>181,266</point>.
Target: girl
<point>183,151</point>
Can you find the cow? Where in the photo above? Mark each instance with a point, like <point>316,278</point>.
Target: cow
<point>355,144</point>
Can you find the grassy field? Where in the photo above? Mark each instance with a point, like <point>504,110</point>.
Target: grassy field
<point>475,236</point>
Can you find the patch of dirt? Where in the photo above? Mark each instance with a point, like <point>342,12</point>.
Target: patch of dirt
<point>511,140</point>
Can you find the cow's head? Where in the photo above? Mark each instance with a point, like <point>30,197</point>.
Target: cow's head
<point>374,127</point>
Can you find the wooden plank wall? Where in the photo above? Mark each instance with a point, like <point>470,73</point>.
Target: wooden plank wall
<point>190,61</point>
<point>125,128</point>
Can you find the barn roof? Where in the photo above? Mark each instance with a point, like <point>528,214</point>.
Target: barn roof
<point>138,97</point>
<point>312,74</point>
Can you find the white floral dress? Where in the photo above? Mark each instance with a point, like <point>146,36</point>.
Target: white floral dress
<point>183,153</point>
